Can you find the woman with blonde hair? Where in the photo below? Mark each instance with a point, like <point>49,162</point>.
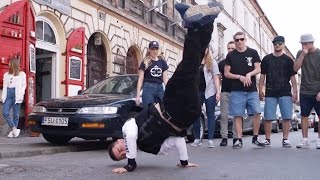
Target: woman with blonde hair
<point>152,73</point>
<point>14,85</point>
<point>209,93</point>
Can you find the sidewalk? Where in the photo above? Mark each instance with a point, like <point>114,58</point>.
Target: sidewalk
<point>25,146</point>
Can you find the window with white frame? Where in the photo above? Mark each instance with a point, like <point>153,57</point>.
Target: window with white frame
<point>245,19</point>
<point>162,8</point>
<point>234,9</point>
<point>255,34</point>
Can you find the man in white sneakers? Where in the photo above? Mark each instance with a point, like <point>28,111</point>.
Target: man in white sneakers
<point>308,59</point>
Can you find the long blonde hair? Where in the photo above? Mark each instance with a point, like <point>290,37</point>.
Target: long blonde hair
<point>208,60</point>
<point>147,60</point>
<point>14,67</point>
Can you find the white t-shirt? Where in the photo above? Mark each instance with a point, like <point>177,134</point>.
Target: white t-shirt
<point>130,134</point>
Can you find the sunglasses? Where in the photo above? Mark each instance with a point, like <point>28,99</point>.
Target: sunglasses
<point>240,39</point>
<point>10,80</point>
<point>278,43</point>
<point>231,48</point>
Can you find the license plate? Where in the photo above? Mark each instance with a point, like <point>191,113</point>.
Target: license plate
<point>55,121</point>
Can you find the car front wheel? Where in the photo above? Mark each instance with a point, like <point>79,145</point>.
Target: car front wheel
<point>56,139</point>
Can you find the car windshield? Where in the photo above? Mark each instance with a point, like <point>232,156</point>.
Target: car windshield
<point>114,85</point>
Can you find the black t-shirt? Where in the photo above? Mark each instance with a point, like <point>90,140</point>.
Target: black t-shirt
<point>226,83</point>
<point>202,82</point>
<point>278,71</point>
<point>242,63</point>
<point>155,70</point>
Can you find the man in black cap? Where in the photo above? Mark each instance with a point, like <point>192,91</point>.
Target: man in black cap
<point>277,71</point>
<point>160,127</point>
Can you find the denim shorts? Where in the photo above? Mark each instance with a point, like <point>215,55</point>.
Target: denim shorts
<point>307,102</point>
<point>285,105</point>
<point>241,100</point>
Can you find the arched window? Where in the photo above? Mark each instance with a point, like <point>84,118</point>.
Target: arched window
<point>44,32</point>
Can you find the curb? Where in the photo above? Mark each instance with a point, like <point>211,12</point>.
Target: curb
<point>33,151</point>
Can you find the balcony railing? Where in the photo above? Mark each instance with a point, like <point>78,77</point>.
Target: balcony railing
<point>139,10</point>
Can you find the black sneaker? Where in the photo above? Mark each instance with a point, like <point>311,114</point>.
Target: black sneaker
<point>224,142</point>
<point>258,143</point>
<point>237,144</point>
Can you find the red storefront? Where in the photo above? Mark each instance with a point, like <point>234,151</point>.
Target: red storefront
<point>18,40</point>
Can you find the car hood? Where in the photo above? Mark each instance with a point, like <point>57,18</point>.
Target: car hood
<point>84,100</point>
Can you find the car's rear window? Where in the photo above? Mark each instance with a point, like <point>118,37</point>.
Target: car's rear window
<point>114,85</point>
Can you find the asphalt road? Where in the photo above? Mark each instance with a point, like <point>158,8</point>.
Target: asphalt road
<point>223,163</point>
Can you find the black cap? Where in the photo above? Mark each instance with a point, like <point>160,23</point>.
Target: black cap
<point>278,39</point>
<point>153,44</point>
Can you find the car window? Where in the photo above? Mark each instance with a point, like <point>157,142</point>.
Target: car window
<point>114,85</point>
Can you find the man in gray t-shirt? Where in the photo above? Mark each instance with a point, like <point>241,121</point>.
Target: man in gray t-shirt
<point>308,59</point>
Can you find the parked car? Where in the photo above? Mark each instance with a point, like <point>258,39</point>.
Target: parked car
<point>97,113</point>
<point>246,123</point>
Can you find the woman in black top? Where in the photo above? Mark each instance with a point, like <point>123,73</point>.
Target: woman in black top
<point>152,73</point>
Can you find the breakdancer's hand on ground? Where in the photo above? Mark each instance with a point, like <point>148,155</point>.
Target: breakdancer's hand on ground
<point>189,165</point>
<point>119,170</point>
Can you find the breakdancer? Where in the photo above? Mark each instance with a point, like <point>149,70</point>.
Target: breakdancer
<point>161,126</point>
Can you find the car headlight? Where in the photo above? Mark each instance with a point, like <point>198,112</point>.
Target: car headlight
<point>98,110</point>
<point>37,109</point>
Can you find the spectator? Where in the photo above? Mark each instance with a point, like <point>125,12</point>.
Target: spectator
<point>308,59</point>
<point>242,66</point>
<point>225,96</point>
<point>152,74</point>
<point>277,71</point>
<point>209,92</point>
<point>14,86</point>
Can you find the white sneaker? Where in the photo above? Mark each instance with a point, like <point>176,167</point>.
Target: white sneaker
<point>196,142</point>
<point>318,144</point>
<point>10,135</point>
<point>16,132</point>
<point>304,143</point>
<point>210,144</point>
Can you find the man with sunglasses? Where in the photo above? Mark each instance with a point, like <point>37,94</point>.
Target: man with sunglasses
<point>242,66</point>
<point>277,72</point>
<point>308,59</point>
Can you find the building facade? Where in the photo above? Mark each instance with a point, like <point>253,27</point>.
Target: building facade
<point>69,45</point>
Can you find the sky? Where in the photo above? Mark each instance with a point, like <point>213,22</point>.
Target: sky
<point>291,18</point>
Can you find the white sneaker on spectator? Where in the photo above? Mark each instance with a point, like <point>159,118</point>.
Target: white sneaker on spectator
<point>318,144</point>
<point>16,132</point>
<point>10,135</point>
<point>304,143</point>
<point>210,144</point>
<point>196,142</point>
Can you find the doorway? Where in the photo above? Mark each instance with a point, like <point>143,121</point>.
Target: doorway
<point>96,61</point>
<point>43,76</point>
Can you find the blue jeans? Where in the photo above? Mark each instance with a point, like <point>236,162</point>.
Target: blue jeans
<point>8,104</point>
<point>210,110</point>
<point>150,93</point>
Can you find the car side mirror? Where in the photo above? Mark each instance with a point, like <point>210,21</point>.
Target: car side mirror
<point>80,92</point>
